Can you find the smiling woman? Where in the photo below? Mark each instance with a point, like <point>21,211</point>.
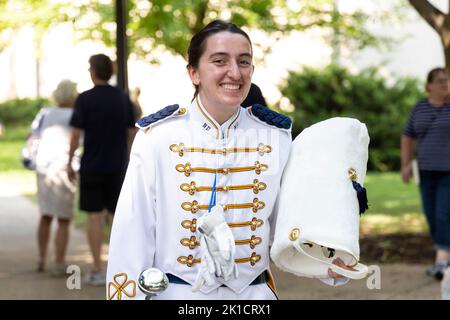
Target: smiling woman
<point>213,242</point>
<point>220,67</point>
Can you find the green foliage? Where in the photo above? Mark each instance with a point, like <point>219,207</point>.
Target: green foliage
<point>321,94</point>
<point>170,24</point>
<point>41,14</point>
<point>20,111</point>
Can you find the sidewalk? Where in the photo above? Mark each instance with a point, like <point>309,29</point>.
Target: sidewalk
<point>398,282</point>
<point>18,256</point>
<point>18,279</point>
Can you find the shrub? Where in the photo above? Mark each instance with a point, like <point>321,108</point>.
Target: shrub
<point>322,94</point>
<point>20,111</point>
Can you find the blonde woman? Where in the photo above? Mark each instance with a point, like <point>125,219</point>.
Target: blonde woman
<point>55,191</point>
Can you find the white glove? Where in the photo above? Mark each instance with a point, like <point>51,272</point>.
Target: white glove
<point>207,269</point>
<point>217,239</point>
<point>222,248</point>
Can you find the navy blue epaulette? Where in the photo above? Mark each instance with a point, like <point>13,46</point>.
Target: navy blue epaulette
<point>165,113</point>
<point>270,117</point>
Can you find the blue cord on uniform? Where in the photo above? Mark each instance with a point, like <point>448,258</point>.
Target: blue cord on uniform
<point>212,201</point>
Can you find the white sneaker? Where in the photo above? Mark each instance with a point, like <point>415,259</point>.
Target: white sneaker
<point>96,279</point>
<point>437,269</point>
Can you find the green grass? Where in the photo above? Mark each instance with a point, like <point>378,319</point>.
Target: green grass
<point>394,207</point>
<point>389,195</point>
<point>10,148</point>
<point>13,176</point>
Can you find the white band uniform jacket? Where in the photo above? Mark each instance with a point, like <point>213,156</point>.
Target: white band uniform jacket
<point>168,186</point>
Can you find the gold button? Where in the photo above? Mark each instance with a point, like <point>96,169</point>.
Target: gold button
<point>181,111</point>
<point>195,206</point>
<point>352,174</point>
<point>294,234</point>
<point>190,261</point>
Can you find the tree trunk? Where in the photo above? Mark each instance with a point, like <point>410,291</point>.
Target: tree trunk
<point>444,33</point>
<point>447,59</point>
<point>445,39</point>
<point>122,44</point>
<point>429,13</point>
<point>439,21</point>
<point>38,76</point>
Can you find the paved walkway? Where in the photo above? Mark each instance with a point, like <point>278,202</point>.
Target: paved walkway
<point>18,279</point>
<point>18,256</point>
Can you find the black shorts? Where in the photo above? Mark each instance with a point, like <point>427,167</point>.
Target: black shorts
<point>100,191</point>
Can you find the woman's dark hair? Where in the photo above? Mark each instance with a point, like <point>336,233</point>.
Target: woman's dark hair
<point>198,41</point>
<point>433,73</point>
<point>102,66</point>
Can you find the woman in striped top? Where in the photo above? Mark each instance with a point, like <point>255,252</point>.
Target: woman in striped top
<point>427,134</point>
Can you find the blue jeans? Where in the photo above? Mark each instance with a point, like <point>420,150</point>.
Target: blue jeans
<point>435,191</point>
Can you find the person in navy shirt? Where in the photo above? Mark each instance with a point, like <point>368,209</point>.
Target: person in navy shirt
<point>427,134</point>
<point>104,115</point>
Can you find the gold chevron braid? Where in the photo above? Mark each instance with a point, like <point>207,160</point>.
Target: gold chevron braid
<point>194,207</point>
<point>191,225</point>
<point>253,259</point>
<point>192,242</point>
<point>192,187</point>
<point>187,169</point>
<point>190,260</point>
<point>181,149</point>
<point>255,223</point>
<point>253,242</point>
<point>255,206</point>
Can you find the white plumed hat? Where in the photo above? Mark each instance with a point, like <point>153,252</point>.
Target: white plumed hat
<point>321,199</point>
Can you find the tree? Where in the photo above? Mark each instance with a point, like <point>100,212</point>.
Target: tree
<point>170,24</point>
<point>42,14</point>
<point>320,94</point>
<point>439,21</point>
